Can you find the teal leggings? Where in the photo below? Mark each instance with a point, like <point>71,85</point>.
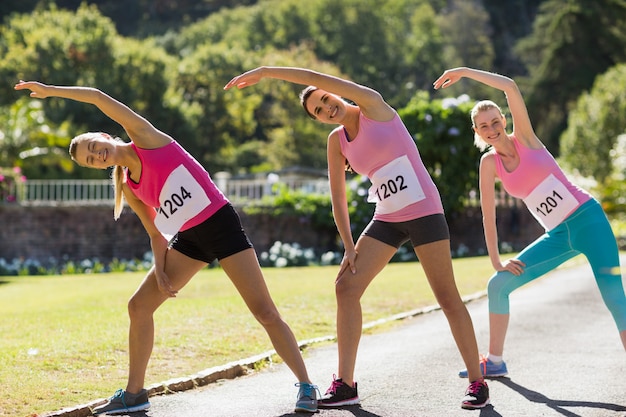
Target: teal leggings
<point>586,231</point>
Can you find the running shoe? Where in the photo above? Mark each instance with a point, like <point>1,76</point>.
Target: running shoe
<point>307,398</point>
<point>489,369</point>
<point>476,396</point>
<point>339,394</point>
<point>123,402</point>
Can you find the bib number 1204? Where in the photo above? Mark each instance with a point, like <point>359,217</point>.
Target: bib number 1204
<point>172,204</point>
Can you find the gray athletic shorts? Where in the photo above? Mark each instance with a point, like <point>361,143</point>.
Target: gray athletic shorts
<point>419,231</point>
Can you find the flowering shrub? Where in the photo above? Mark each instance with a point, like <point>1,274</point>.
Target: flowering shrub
<point>287,254</point>
<point>11,180</point>
<point>23,267</point>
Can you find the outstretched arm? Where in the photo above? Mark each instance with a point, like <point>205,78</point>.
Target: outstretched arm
<point>140,130</point>
<point>370,101</point>
<point>337,180</point>
<point>487,178</point>
<point>158,243</point>
<point>522,127</point>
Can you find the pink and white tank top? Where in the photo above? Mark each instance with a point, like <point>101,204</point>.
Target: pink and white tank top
<point>386,153</point>
<point>177,186</point>
<point>538,180</point>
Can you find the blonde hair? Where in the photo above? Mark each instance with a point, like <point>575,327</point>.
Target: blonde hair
<point>482,105</point>
<point>117,175</point>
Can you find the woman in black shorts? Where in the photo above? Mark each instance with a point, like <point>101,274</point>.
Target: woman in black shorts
<point>190,224</point>
<point>372,139</point>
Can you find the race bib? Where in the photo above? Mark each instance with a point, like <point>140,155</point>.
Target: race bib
<point>395,186</point>
<point>181,199</point>
<point>551,202</point>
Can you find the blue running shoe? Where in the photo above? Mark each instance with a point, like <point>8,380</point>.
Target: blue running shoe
<point>123,402</point>
<point>489,369</point>
<point>307,398</point>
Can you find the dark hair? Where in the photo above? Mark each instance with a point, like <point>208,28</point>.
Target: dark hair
<point>304,96</point>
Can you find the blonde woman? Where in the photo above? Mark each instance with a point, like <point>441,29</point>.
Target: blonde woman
<point>190,224</point>
<point>574,221</point>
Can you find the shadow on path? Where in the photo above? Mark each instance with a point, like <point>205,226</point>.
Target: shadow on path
<point>489,411</point>
<point>355,410</point>
<point>557,405</point>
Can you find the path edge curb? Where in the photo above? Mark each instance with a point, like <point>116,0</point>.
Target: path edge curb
<point>242,367</point>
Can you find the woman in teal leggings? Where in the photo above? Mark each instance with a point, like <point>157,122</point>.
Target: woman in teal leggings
<point>574,221</point>
<point>586,231</point>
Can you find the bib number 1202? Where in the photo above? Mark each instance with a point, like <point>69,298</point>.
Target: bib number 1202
<point>551,202</point>
<point>172,204</point>
<point>387,189</point>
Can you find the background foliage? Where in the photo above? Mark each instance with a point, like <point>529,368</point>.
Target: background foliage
<point>170,60</point>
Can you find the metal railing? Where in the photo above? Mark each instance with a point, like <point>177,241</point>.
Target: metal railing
<point>239,191</point>
<point>60,192</point>
<point>242,191</point>
<point>99,192</point>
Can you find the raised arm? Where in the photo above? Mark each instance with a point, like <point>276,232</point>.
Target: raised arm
<point>140,130</point>
<point>522,127</point>
<point>370,101</point>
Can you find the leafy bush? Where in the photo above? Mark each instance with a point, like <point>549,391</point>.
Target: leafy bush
<point>443,133</point>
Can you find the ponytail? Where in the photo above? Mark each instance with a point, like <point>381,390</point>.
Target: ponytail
<point>117,177</point>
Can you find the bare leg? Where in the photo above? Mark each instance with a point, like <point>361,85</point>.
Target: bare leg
<point>141,307</point>
<point>498,324</point>
<point>437,263</point>
<point>622,335</point>
<point>244,271</point>
<point>372,257</point>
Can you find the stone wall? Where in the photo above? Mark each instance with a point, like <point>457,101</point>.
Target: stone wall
<point>77,233</point>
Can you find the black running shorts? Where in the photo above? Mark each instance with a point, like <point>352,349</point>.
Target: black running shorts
<point>218,237</point>
<point>419,231</point>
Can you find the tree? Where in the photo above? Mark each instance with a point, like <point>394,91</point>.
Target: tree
<point>572,42</point>
<point>595,124</point>
<point>24,134</point>
<point>266,119</point>
<point>56,47</point>
<point>509,21</point>
<point>82,48</point>
<point>466,30</point>
<point>393,47</point>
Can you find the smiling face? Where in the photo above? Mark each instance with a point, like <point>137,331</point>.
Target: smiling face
<point>326,107</point>
<point>93,150</point>
<point>489,124</point>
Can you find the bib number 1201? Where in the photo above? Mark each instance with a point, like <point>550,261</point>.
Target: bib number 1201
<point>551,202</point>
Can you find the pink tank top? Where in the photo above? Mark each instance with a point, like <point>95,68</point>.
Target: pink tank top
<point>386,153</point>
<point>177,186</point>
<point>538,180</point>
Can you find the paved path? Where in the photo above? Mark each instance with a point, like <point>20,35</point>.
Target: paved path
<point>563,353</point>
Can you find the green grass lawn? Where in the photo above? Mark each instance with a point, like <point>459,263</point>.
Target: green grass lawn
<point>64,338</point>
